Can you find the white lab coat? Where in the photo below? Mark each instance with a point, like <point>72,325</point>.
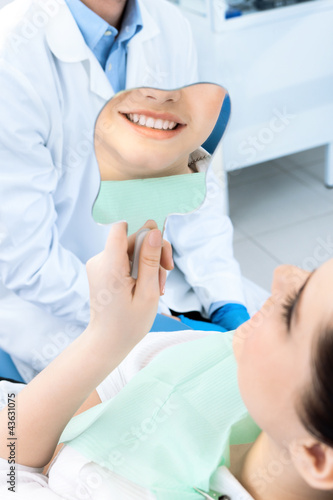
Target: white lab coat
<point>52,89</point>
<point>205,268</point>
<point>202,244</point>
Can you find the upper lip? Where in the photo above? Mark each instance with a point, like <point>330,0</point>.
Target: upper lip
<point>154,114</point>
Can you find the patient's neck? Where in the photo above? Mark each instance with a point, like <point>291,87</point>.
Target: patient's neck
<point>267,472</point>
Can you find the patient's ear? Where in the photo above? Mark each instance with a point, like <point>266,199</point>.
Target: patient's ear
<point>314,462</point>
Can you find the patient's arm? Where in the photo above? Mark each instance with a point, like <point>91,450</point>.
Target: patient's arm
<point>92,401</point>
<point>49,401</point>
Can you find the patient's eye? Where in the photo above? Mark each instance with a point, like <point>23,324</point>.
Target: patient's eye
<point>287,309</point>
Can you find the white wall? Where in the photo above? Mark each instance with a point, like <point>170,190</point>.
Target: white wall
<point>4,2</point>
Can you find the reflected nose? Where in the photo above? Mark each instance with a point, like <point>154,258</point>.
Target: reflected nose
<point>161,96</point>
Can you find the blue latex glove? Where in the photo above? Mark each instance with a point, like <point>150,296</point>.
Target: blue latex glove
<point>200,325</point>
<point>230,316</point>
<point>166,324</point>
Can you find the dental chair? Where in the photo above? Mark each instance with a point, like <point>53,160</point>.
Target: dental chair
<point>212,142</point>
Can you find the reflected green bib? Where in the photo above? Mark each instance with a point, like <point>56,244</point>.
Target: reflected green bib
<point>138,200</point>
<point>171,426</point>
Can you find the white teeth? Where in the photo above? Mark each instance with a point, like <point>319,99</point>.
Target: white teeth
<point>159,124</point>
<point>148,121</point>
<point>142,120</point>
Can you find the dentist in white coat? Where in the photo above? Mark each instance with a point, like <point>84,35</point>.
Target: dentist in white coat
<point>53,86</point>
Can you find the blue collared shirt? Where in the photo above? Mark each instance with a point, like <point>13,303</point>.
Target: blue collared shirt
<point>108,45</point>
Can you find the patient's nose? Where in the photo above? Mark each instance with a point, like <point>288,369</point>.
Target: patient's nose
<point>288,279</point>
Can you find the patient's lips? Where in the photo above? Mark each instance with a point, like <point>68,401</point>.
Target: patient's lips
<point>153,124</point>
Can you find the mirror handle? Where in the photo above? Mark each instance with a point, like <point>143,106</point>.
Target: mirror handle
<point>137,247</point>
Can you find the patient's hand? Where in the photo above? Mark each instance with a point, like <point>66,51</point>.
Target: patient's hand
<point>122,312</point>
<point>121,306</point>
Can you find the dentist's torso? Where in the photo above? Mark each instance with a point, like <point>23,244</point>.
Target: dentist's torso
<point>54,91</point>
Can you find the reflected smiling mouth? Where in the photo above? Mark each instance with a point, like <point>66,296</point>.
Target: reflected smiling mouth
<point>153,120</point>
<point>148,121</point>
<point>152,124</point>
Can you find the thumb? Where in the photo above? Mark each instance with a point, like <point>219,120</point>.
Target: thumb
<point>147,285</point>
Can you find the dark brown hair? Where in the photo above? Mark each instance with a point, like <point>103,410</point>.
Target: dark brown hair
<point>316,405</point>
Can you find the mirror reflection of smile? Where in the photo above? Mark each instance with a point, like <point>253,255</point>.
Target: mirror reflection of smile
<point>155,125</point>
<point>148,133</point>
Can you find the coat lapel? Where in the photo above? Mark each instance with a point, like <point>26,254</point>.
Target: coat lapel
<point>68,45</point>
<point>66,42</point>
<point>139,62</point>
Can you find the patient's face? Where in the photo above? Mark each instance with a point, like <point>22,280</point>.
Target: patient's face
<point>150,133</point>
<point>273,349</point>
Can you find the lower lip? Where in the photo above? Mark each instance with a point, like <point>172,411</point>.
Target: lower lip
<point>154,133</point>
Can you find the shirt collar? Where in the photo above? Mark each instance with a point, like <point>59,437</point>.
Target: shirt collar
<point>132,21</point>
<point>201,159</point>
<point>70,46</point>
<point>93,27</point>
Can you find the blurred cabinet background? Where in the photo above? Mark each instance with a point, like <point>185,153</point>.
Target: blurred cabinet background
<point>277,65</point>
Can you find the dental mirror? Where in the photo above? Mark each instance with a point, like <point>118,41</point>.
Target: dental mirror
<point>148,145</point>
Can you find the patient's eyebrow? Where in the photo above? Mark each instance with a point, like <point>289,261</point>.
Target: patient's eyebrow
<point>298,298</point>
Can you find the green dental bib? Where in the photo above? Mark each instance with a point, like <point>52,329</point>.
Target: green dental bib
<point>171,426</point>
<point>138,200</point>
